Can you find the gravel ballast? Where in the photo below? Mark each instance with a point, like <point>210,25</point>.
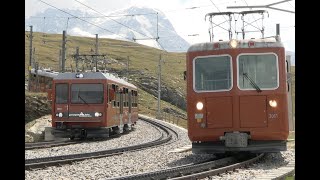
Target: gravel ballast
<point>141,161</point>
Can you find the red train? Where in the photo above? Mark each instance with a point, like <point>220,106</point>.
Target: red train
<point>41,80</point>
<point>237,96</point>
<point>91,104</point>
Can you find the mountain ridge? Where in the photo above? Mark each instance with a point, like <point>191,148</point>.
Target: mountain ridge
<point>126,24</point>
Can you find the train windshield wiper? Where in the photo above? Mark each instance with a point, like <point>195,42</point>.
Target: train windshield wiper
<point>253,84</point>
<point>82,98</point>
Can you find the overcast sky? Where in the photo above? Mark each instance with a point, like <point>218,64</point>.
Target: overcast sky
<point>187,20</point>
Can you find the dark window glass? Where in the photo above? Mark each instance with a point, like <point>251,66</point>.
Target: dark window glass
<point>62,93</point>
<point>86,93</point>
<point>212,73</point>
<point>262,69</point>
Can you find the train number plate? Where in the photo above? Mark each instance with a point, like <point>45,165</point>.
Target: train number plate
<point>198,116</point>
<point>236,140</point>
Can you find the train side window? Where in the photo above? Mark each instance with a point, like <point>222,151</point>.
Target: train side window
<point>127,97</point>
<point>124,97</point>
<point>112,94</point>
<point>107,92</point>
<point>117,96</point>
<point>134,99</point>
<point>50,83</point>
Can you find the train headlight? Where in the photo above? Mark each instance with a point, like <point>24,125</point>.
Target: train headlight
<point>97,114</point>
<point>60,114</point>
<point>233,43</point>
<point>79,75</point>
<point>273,103</point>
<point>199,105</point>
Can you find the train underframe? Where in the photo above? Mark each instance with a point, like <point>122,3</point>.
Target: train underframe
<point>238,142</point>
<point>53,133</point>
<point>253,146</point>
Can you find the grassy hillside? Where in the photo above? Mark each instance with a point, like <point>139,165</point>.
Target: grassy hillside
<point>143,62</point>
<point>143,59</point>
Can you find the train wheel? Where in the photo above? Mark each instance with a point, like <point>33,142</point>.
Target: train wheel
<point>83,134</point>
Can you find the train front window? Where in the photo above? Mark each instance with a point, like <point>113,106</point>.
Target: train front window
<point>62,93</point>
<point>262,70</point>
<point>212,73</point>
<point>86,93</point>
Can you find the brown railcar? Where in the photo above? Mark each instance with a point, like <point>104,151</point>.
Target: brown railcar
<point>41,80</point>
<point>237,96</point>
<point>92,104</point>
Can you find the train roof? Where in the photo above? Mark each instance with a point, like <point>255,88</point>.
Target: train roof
<point>93,75</point>
<point>45,72</point>
<point>258,43</point>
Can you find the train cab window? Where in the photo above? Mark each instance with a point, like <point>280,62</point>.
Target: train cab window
<point>87,93</point>
<point>62,93</point>
<point>258,70</point>
<point>212,73</point>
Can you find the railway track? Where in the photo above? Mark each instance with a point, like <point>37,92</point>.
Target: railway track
<point>200,170</point>
<point>39,145</point>
<point>167,135</point>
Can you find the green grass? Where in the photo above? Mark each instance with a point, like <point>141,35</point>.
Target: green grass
<point>289,178</point>
<point>143,59</point>
<point>148,105</point>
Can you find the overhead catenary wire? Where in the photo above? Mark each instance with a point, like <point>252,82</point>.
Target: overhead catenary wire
<point>84,20</point>
<point>111,18</point>
<point>291,5</point>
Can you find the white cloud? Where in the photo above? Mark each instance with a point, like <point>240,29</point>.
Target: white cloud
<point>80,32</point>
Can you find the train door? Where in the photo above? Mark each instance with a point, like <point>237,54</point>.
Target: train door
<point>255,72</point>
<point>61,108</point>
<point>121,111</point>
<point>130,107</point>
<point>289,93</point>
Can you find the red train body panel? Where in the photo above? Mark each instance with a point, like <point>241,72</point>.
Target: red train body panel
<point>237,114</point>
<point>92,104</point>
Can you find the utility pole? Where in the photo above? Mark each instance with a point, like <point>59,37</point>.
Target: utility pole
<point>159,89</point>
<point>278,29</point>
<point>159,65</point>
<point>36,64</point>
<point>128,68</point>
<point>159,78</point>
<point>60,60</point>
<point>63,56</point>
<point>77,58</point>
<point>30,60</point>
<point>96,58</point>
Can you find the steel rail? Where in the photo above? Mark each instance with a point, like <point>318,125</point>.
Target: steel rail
<point>49,161</point>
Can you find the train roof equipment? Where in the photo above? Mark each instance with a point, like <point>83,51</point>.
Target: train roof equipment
<point>93,75</point>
